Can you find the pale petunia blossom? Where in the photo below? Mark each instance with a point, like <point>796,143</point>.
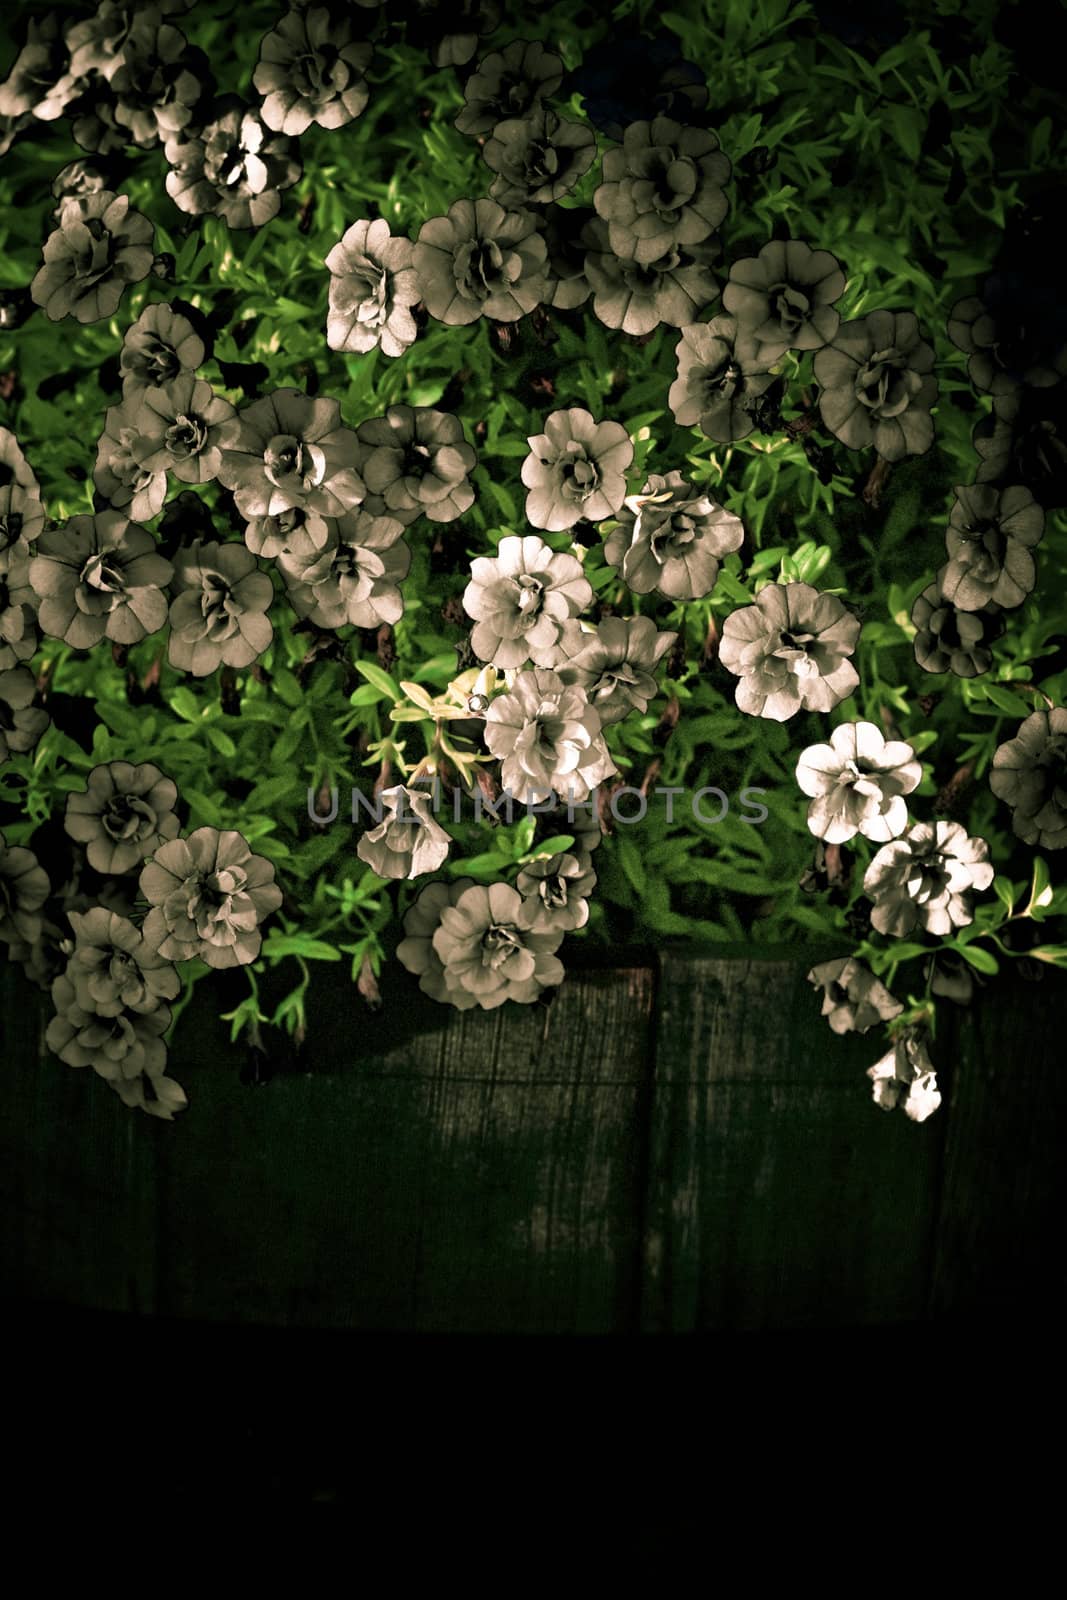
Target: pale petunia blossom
<point>858,782</point>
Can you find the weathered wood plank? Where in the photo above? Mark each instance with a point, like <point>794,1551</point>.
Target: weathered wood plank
<point>77,1189</point>
<point>780,1197</point>
<point>499,1172</point>
<point>1000,1233</point>
<point>434,1171</point>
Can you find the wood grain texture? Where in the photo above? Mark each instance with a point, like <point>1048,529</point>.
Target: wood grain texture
<point>74,1177</point>
<point>779,1197</point>
<point>677,1148</point>
<point>1000,1253</point>
<point>433,1171</point>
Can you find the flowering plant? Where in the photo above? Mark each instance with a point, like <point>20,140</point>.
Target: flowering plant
<point>516,457</point>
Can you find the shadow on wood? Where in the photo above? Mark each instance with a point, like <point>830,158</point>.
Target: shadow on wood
<point>673,1145</point>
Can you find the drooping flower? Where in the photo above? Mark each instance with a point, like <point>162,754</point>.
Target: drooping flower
<point>616,665</point>
<point>877,385</point>
<point>409,841</point>
<point>721,372</point>
<point>671,538</point>
<point>989,538</point>
<point>520,600</point>
<point>925,880</point>
<point>153,1092</point>
<point>234,167</point>
<point>784,296</point>
<point>417,460</point>
<point>113,969</point>
<point>354,578</point>
<point>951,640</point>
<point>288,450</point>
<point>547,737</point>
<point>100,577</point>
<point>1030,775</point>
<point>159,347</point>
<point>575,469</point>
<point>508,83</point>
<point>905,1077</point>
<point>218,616</point>
<point>312,68</point>
<point>858,782</point>
<point>118,1045</point>
<point>662,187</point>
<point>124,813</point>
<point>207,895</point>
<point>21,722</point>
<point>537,157</point>
<point>853,998</point>
<point>790,650</point>
<point>560,885</point>
<point>98,247</point>
<point>496,946</point>
<point>951,977</point>
<point>24,888</point>
<point>481,260</point>
<point>373,286</point>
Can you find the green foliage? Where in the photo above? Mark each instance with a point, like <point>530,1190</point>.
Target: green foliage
<point>854,172</point>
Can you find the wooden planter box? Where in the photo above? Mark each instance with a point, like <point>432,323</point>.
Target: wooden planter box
<point>676,1143</point>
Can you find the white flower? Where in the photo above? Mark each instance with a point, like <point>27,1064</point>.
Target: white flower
<point>905,1077</point>
<point>858,781</point>
<point>408,841</point>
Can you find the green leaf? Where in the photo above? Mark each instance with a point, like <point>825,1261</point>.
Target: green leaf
<point>271,790</point>
<point>366,695</point>
<point>287,688</point>
<point>379,678</point>
<point>1004,700</point>
<point>558,845</point>
<point>1004,890</point>
<point>632,865</point>
<point>202,807</point>
<point>490,862</point>
<point>279,945</point>
<point>286,747</point>
<point>981,960</point>
<point>907,951</point>
<point>186,704</point>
